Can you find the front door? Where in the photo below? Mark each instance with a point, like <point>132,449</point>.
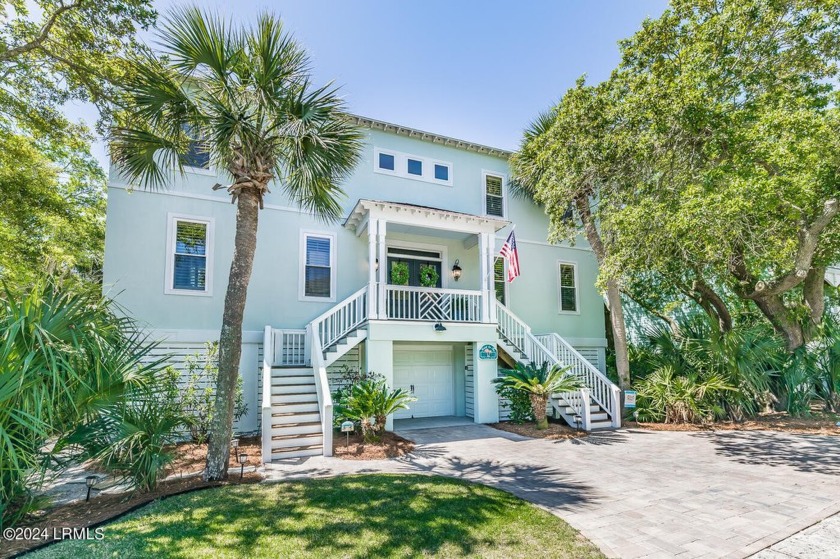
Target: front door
<point>405,266</point>
<point>429,373</point>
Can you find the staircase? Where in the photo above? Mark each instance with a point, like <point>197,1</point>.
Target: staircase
<point>595,406</point>
<point>295,420</point>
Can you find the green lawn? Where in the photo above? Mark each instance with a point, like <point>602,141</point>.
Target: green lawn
<point>354,516</point>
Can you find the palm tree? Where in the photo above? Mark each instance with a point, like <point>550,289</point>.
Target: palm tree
<point>539,382</point>
<point>246,95</point>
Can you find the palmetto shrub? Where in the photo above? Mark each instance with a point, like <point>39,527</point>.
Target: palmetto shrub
<point>665,396</point>
<point>65,360</point>
<point>538,382</point>
<point>370,402</point>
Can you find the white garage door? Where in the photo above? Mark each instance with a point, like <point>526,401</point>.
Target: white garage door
<point>429,370</point>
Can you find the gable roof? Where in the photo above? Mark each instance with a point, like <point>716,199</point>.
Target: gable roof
<point>429,136</point>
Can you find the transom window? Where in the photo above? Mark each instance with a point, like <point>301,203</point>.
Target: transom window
<point>413,167</point>
<point>494,195</point>
<point>318,270</point>
<point>189,255</point>
<point>568,287</point>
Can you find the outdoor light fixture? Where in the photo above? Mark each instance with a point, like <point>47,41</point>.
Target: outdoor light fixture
<point>89,481</point>
<point>578,422</point>
<point>440,327</point>
<point>456,270</point>
<point>242,459</point>
<point>234,445</point>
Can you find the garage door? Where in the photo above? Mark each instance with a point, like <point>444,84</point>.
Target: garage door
<point>431,373</point>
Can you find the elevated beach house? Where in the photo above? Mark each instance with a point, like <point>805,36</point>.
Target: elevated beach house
<point>410,284</point>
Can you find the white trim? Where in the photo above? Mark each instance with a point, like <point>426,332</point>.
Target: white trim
<point>208,172</point>
<point>574,266</point>
<point>484,174</point>
<point>171,229</point>
<point>304,233</point>
<point>401,166</point>
<point>442,249</point>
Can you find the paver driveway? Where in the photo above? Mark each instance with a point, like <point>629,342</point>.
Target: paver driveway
<point>639,493</point>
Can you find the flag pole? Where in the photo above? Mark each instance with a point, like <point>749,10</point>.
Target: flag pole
<point>493,267</point>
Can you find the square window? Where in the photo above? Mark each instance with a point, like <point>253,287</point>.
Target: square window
<point>386,161</point>
<point>441,172</point>
<point>415,167</point>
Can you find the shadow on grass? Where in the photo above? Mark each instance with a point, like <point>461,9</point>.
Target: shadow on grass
<point>806,453</point>
<point>352,516</point>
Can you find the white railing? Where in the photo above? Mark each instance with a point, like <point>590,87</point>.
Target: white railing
<point>341,319</point>
<point>423,303</point>
<point>268,352</point>
<point>322,387</point>
<point>552,348</point>
<point>602,390</point>
<point>290,348</point>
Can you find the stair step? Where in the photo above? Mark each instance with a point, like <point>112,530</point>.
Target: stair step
<point>278,389</point>
<point>291,441</point>
<point>603,416</point>
<point>296,452</point>
<point>292,372</point>
<point>304,407</point>
<point>296,381</point>
<point>308,428</point>
<point>293,418</point>
<point>600,425</point>
<point>593,408</point>
<point>284,399</point>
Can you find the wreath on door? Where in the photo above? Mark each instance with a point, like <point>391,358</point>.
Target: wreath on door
<point>429,276</point>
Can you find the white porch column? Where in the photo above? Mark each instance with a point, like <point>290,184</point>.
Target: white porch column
<point>373,226</point>
<point>491,286</point>
<point>383,268</point>
<point>380,359</point>
<point>484,270</point>
<point>486,402</point>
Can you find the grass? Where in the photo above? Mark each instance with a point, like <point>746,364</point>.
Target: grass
<point>353,516</point>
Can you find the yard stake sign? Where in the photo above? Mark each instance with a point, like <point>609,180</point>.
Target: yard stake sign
<point>629,398</point>
<point>347,427</point>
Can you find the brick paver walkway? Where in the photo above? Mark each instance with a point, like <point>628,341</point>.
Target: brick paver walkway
<point>638,493</point>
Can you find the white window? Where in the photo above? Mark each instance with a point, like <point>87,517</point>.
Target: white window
<point>494,194</point>
<point>568,286</point>
<point>415,167</point>
<point>189,255</point>
<point>318,270</point>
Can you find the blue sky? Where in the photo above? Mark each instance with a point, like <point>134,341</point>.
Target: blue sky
<point>475,70</point>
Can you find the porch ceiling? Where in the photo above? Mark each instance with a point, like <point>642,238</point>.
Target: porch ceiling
<point>445,222</point>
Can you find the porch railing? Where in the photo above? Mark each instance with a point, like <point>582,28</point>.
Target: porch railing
<point>421,303</point>
<point>342,318</point>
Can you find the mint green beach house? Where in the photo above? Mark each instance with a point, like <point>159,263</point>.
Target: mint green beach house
<point>409,284</point>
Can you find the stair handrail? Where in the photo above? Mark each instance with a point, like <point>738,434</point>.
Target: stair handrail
<point>602,390</point>
<point>538,354</point>
<point>268,358</point>
<point>341,319</point>
<point>322,388</point>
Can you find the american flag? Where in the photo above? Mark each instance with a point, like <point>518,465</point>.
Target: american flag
<point>510,254</point>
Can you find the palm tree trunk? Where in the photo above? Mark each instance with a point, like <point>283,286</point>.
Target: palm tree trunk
<point>538,408</point>
<point>230,341</point>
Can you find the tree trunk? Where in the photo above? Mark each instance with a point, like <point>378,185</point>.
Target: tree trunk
<point>230,341</point>
<point>538,407</point>
<point>783,320</point>
<point>813,291</point>
<point>622,360</point>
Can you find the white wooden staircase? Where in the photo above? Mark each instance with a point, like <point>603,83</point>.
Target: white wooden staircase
<point>295,419</point>
<point>595,406</point>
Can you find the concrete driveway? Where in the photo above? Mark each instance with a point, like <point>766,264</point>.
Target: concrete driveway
<point>638,493</point>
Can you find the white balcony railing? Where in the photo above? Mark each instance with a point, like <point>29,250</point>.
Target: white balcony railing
<point>422,303</point>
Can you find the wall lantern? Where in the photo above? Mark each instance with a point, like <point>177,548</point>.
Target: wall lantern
<point>456,270</point>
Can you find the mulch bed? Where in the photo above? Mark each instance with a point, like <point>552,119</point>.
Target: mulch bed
<point>556,430</point>
<point>189,460</point>
<point>389,446</point>
<point>782,422</point>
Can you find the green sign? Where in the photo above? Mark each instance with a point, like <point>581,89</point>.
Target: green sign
<point>487,351</point>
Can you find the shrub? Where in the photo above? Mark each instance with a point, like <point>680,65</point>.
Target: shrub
<point>370,402</point>
<point>349,377</point>
<point>198,397</point>
<point>665,396</point>
<point>538,383</point>
<point>67,358</point>
<point>517,402</point>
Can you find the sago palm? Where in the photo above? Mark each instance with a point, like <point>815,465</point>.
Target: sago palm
<point>539,382</point>
<point>246,95</point>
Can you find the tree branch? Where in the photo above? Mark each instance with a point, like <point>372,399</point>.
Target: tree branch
<point>808,239</point>
<point>43,34</point>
